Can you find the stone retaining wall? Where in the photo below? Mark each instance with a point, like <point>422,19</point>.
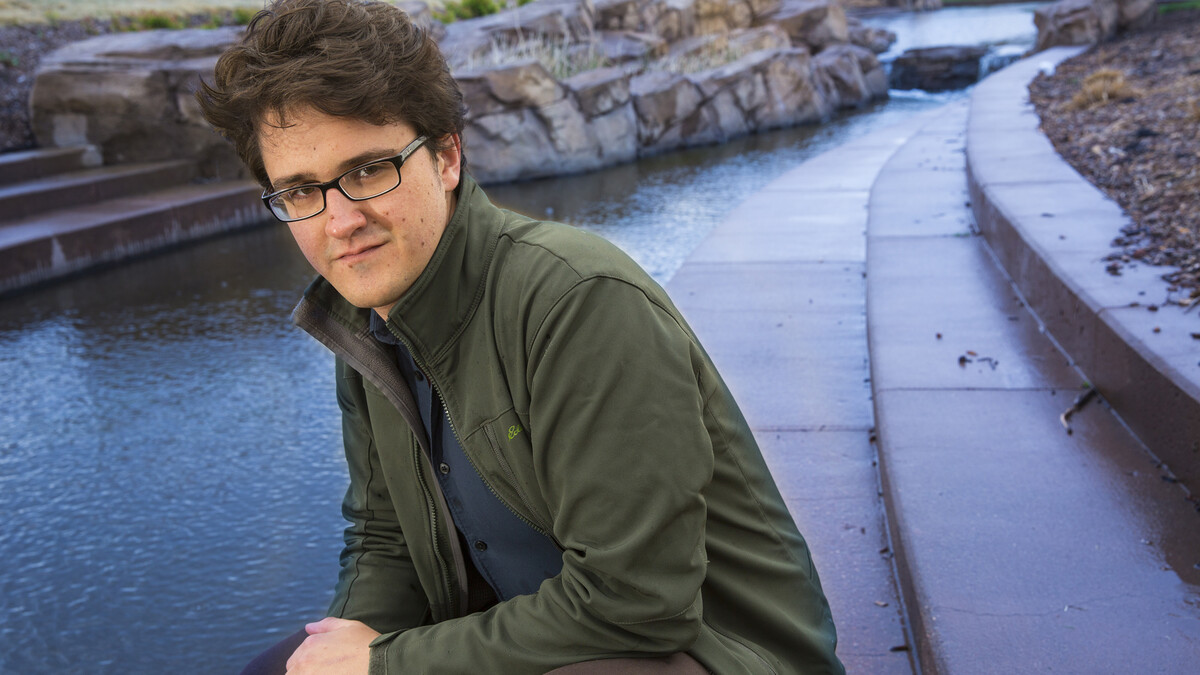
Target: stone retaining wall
<point>131,94</point>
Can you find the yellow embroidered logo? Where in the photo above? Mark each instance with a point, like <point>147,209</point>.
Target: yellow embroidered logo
<point>514,430</point>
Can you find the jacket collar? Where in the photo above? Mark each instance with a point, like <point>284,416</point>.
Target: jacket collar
<point>434,310</point>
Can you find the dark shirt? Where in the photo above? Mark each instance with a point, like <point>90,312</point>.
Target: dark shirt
<point>512,557</point>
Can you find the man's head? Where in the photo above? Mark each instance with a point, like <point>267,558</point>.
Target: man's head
<point>345,58</point>
<point>324,99</point>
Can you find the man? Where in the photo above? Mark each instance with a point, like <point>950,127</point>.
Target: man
<point>546,471</point>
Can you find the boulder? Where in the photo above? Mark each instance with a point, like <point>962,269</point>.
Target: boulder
<point>721,16</point>
<point>523,84</point>
<point>1134,14</point>
<point>503,146</point>
<point>667,105</point>
<point>1087,22</point>
<point>854,73</point>
<point>878,40</point>
<point>627,46</point>
<point>600,91</point>
<point>552,21</point>
<point>769,37</point>
<point>814,23</point>
<point>1075,22</point>
<point>669,19</point>
<point>132,95</point>
<point>937,68</point>
<point>772,88</point>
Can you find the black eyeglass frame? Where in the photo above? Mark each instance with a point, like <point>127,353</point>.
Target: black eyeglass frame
<point>396,161</point>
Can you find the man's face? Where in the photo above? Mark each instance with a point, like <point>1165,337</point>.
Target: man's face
<point>371,251</point>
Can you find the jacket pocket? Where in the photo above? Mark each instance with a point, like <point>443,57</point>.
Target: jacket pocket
<point>504,458</point>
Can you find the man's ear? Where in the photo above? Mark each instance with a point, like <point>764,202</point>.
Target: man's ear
<point>449,162</point>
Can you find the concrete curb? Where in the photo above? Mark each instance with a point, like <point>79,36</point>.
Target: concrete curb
<point>1051,228</point>
<point>48,246</point>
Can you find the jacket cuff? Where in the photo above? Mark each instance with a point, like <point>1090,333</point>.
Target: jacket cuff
<point>379,648</point>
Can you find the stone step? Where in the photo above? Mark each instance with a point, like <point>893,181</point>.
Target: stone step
<point>25,165</point>
<point>76,188</point>
<point>50,245</point>
<point>1020,546</point>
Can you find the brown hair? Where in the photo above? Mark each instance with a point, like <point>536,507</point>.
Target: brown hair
<point>363,60</point>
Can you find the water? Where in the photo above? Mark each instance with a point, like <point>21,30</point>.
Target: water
<point>170,457</point>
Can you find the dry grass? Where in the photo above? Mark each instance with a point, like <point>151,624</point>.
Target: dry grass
<point>561,58</point>
<point>1101,87</point>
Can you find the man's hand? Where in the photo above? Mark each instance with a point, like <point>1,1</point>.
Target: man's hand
<point>333,647</point>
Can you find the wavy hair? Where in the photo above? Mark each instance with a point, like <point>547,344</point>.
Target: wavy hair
<point>345,58</point>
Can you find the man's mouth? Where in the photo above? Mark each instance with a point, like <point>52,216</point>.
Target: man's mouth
<point>357,254</point>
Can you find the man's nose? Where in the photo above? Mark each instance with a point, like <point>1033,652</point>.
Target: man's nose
<point>343,216</point>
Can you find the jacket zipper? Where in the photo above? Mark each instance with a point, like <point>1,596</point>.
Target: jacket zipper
<point>512,478</point>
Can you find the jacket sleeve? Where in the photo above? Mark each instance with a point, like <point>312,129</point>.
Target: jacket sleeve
<point>377,583</point>
<point>622,455</point>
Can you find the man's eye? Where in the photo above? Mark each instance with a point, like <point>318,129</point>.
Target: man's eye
<point>301,195</point>
<point>368,172</point>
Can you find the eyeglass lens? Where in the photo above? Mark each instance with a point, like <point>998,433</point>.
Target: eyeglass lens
<point>364,182</point>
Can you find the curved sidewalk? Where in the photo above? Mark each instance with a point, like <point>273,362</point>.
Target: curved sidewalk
<point>852,305</point>
<point>1051,228</point>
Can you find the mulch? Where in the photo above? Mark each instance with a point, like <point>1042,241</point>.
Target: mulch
<point>1140,144</point>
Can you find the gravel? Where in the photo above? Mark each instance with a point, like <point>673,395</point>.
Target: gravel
<point>1141,147</point>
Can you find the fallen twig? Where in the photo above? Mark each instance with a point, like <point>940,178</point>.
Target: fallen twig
<point>1080,401</point>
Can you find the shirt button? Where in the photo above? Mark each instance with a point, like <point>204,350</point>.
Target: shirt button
<point>444,468</point>
<point>420,376</point>
<point>481,545</point>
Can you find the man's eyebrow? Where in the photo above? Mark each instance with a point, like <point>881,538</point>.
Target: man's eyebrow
<point>305,178</point>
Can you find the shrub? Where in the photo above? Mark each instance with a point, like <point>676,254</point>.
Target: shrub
<point>454,10</point>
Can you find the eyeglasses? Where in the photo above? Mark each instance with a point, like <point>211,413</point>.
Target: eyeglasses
<point>358,184</point>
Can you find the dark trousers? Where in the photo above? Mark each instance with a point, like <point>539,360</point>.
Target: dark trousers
<point>274,662</point>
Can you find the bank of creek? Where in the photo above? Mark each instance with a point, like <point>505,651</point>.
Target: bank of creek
<point>171,464</point>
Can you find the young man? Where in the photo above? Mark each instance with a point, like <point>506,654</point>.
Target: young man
<point>546,471</point>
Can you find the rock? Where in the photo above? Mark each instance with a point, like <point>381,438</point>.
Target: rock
<point>669,19</point>
<point>599,91</point>
<point>937,68</point>
<point>522,84</point>
<point>1075,22</point>
<point>626,46</point>
<point>1086,22</point>
<point>721,16</point>
<point>1135,14</point>
<point>771,89</point>
<point>767,37</point>
<point>855,74</point>
<point>664,103</point>
<point>562,22</point>
<point>503,147</point>
<point>815,23</point>
<point>878,40</point>
<point>132,96</point>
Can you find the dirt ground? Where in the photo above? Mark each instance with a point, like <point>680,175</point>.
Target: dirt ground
<point>1134,132</point>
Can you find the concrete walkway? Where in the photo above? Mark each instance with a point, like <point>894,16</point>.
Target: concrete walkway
<point>854,301</point>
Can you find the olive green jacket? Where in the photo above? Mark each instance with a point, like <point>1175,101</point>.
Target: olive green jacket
<point>586,403</point>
